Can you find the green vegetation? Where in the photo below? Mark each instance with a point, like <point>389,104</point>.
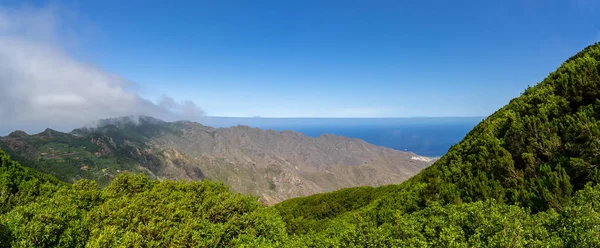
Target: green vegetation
<point>132,129</point>
<point>535,154</point>
<point>527,176</point>
<point>20,185</point>
<point>133,211</point>
<point>97,155</point>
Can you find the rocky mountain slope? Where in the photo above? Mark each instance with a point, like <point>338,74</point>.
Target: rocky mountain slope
<point>272,165</point>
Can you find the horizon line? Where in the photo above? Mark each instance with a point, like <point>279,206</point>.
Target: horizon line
<point>303,117</point>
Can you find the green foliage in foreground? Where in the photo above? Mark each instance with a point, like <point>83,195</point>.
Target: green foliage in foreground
<point>131,211</point>
<point>527,176</point>
<point>134,211</point>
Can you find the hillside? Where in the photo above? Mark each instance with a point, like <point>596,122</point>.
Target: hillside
<point>536,152</point>
<point>133,211</point>
<point>524,177</point>
<point>37,210</point>
<point>272,165</point>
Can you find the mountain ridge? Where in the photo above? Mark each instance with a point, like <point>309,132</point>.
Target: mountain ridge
<point>526,176</point>
<point>273,165</point>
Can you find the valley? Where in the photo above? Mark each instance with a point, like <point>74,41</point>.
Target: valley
<point>524,176</point>
<point>299,124</point>
<point>270,164</point>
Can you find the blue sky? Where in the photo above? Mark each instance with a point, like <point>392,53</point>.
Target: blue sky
<point>332,58</point>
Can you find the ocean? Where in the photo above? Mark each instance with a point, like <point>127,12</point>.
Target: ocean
<point>430,137</point>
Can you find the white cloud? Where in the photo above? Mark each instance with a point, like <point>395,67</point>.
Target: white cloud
<point>41,84</point>
<point>185,108</point>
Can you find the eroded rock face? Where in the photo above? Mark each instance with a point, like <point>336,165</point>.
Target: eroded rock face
<point>271,165</point>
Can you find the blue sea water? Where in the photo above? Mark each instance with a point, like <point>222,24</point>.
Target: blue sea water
<point>425,140</point>
<point>431,137</point>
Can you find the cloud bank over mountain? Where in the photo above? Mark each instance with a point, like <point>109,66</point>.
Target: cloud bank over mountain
<point>43,85</point>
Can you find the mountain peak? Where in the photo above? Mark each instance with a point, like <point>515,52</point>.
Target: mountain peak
<point>48,131</point>
<point>18,134</point>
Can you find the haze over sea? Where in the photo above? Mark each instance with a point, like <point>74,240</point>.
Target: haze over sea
<point>431,137</point>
